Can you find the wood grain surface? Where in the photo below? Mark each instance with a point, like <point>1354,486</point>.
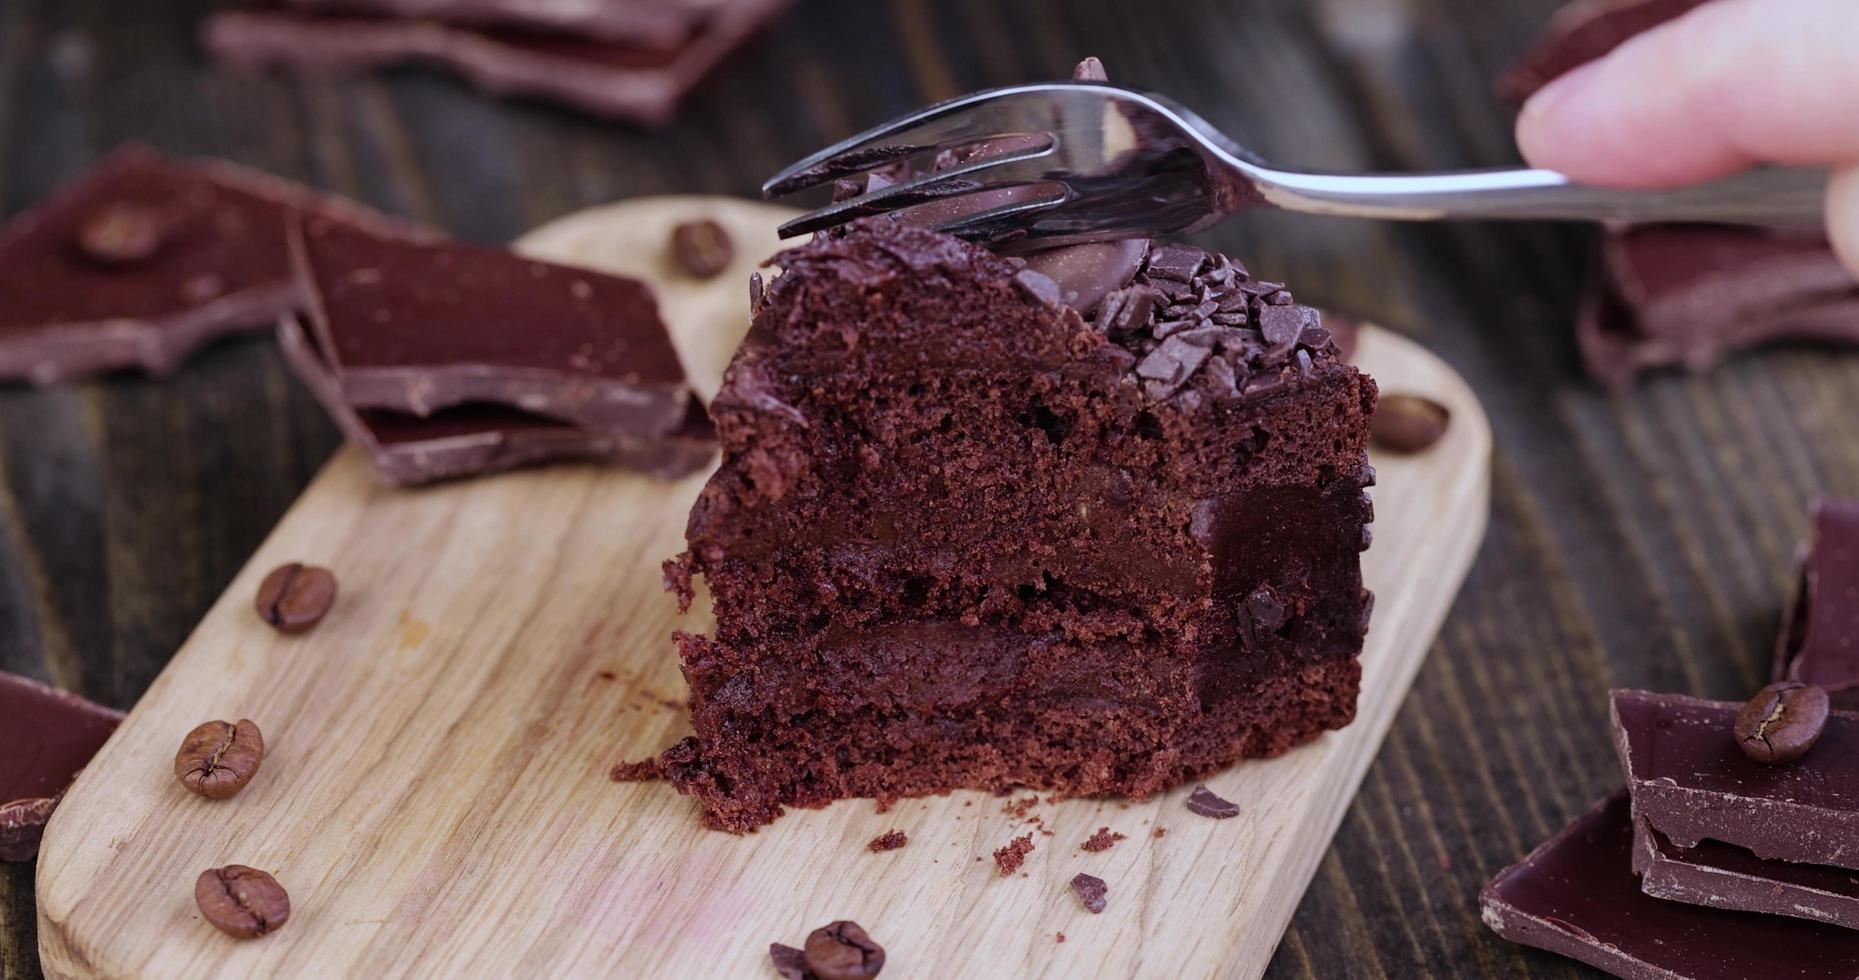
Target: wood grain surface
<point>1642,538</point>
<point>435,792</point>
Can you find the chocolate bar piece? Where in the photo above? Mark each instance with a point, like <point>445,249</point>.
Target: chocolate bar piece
<point>1577,895</point>
<point>46,736</point>
<point>476,439</point>
<point>1690,781</point>
<point>622,80</point>
<point>419,327</point>
<point>1728,877</point>
<point>1819,642</point>
<point>659,24</point>
<point>145,259</point>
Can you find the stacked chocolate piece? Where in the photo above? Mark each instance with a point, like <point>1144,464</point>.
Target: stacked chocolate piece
<point>631,60</point>
<point>1734,849</point>
<point>439,359</point>
<point>46,737</point>
<point>445,359</point>
<point>1686,295</point>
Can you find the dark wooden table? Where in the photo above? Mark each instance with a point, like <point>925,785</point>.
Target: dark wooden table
<point>1637,539</point>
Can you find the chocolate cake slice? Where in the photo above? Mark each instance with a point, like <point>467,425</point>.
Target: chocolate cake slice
<point>966,535</point>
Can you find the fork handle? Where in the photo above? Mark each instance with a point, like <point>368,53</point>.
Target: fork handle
<point>1767,196</point>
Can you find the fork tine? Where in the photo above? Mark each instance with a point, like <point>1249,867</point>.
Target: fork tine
<point>1007,168</point>
<point>999,223</point>
<point>963,119</point>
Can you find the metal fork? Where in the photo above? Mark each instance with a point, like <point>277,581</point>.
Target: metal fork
<point>1067,162</point>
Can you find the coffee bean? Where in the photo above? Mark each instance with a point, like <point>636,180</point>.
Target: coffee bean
<point>217,759</point>
<point>701,249</point>
<point>295,596</point>
<point>242,902</point>
<point>122,233</point>
<point>1781,722</point>
<point>841,951</point>
<point>1408,423</point>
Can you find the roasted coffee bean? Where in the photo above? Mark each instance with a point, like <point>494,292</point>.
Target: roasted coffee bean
<point>217,759</point>
<point>841,951</point>
<point>122,233</point>
<point>701,249</point>
<point>241,902</point>
<point>1408,423</point>
<point>1782,722</point>
<point>295,596</point>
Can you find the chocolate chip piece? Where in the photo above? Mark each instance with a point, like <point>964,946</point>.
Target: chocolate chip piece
<point>1037,285</point>
<point>118,234</point>
<point>1408,423</point>
<point>1177,262</point>
<point>1782,722</point>
<point>1091,891</point>
<point>701,249</point>
<point>1281,325</point>
<point>1204,802</point>
<point>842,951</point>
<point>295,596</point>
<point>1268,614</point>
<point>791,963</point>
<point>217,758</point>
<point>241,902</point>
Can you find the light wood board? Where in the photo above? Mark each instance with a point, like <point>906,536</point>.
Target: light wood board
<point>436,796</point>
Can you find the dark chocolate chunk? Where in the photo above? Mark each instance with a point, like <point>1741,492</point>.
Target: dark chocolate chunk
<point>652,24</point>
<point>1727,877</point>
<point>1580,33</point>
<point>617,79</point>
<point>1690,781</point>
<point>1281,325</point>
<point>1819,641</point>
<point>1086,274</point>
<point>1204,802</point>
<point>1091,891</point>
<point>1266,611</point>
<point>418,327</point>
<point>1177,262</point>
<point>476,439</point>
<point>842,951</point>
<point>144,260</point>
<point>1576,895</point>
<point>1171,365</point>
<point>1782,722</point>
<point>701,249</point>
<point>1037,285</point>
<point>48,735</point>
<point>1408,423</point>
<point>1090,70</point>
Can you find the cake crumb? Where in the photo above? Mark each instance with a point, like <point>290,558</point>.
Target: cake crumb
<point>1018,809</point>
<point>883,805</point>
<point>1161,831</point>
<point>1102,840</point>
<point>1061,937</point>
<point>642,771</point>
<point>1009,858</point>
<point>888,841</point>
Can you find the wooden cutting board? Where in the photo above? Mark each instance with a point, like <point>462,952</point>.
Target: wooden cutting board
<point>436,797</point>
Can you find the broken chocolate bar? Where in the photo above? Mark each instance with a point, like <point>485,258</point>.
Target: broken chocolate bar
<point>657,24</point>
<point>1577,895</point>
<point>143,260</point>
<point>1727,877</point>
<point>1580,33</point>
<point>1691,782</point>
<point>623,80</point>
<point>47,735</point>
<point>1819,642</point>
<point>476,439</point>
<point>417,327</point>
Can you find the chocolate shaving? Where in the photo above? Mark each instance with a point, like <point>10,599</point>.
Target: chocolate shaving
<point>1204,802</point>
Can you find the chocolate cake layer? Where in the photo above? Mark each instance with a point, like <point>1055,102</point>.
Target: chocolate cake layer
<point>642,83</point>
<point>1727,877</point>
<point>416,327</point>
<point>1577,895</point>
<point>46,737</point>
<point>951,504</point>
<point>145,259</point>
<point>1691,781</point>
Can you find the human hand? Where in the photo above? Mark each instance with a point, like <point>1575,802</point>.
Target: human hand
<point>1729,85</point>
